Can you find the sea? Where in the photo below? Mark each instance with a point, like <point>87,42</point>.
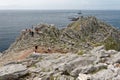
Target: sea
<point>13,21</point>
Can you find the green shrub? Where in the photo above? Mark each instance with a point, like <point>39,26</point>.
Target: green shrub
<point>80,52</point>
<point>97,44</point>
<point>52,78</point>
<point>110,43</point>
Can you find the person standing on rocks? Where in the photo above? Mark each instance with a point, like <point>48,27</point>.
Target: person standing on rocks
<point>31,33</point>
<point>36,48</point>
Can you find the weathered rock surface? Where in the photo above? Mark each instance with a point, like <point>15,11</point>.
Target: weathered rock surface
<point>66,66</point>
<point>13,71</point>
<point>106,75</point>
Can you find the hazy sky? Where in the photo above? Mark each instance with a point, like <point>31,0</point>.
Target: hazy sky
<point>60,4</point>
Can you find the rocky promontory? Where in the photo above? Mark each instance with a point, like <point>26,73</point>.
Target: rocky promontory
<point>87,49</point>
<point>85,33</point>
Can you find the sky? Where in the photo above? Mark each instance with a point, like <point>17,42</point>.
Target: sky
<point>61,4</point>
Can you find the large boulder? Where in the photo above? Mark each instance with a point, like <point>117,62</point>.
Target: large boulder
<point>111,73</point>
<point>88,69</point>
<point>116,58</point>
<point>13,71</point>
<point>100,52</point>
<point>103,75</point>
<point>76,66</point>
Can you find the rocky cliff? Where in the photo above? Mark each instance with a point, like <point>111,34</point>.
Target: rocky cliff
<point>85,33</point>
<point>86,49</point>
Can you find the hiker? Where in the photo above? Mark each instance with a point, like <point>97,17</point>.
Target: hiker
<point>26,30</point>
<point>31,33</point>
<point>49,49</point>
<point>36,47</point>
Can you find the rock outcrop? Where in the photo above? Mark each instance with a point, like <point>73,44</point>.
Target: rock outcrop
<point>86,49</point>
<point>85,33</point>
<point>92,65</point>
<point>12,72</point>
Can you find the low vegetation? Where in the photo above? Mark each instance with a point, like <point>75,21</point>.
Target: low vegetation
<point>80,52</point>
<point>111,43</point>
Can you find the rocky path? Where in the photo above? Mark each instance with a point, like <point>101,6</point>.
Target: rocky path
<point>16,56</point>
<point>40,50</point>
<point>25,54</point>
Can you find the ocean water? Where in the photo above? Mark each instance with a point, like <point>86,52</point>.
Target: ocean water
<point>13,21</point>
